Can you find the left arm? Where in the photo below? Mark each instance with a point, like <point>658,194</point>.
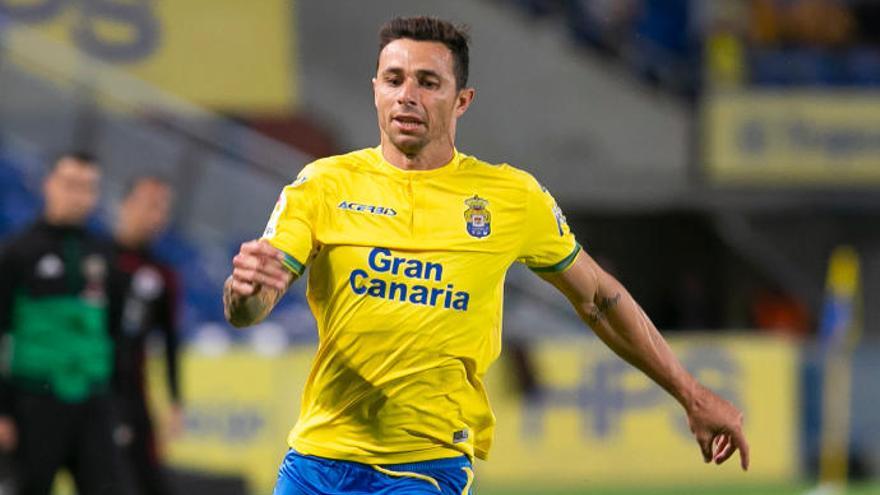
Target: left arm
<point>605,305</point>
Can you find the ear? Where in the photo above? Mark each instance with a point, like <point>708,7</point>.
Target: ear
<point>464,100</point>
<point>375,98</point>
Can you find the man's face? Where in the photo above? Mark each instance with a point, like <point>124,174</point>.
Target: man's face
<point>414,90</point>
<point>146,209</point>
<point>71,191</point>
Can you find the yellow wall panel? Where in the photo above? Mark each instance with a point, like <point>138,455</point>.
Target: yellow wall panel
<point>229,55</point>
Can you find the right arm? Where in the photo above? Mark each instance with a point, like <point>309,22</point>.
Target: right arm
<point>258,281</point>
<point>263,269</point>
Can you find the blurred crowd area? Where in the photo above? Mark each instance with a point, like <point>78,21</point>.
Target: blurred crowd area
<point>688,45</point>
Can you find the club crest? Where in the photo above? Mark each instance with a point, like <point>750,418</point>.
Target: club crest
<point>477,217</point>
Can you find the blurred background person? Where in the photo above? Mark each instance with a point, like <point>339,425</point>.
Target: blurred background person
<point>55,289</point>
<point>149,303</point>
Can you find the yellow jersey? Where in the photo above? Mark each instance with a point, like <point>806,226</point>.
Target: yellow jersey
<point>406,282</point>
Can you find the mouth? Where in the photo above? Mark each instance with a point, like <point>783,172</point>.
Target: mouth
<point>407,122</point>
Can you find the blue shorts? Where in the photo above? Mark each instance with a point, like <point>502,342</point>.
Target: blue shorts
<point>310,475</point>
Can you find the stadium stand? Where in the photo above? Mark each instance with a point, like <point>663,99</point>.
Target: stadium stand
<point>785,43</point>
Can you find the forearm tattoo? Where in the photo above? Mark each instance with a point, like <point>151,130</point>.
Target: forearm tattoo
<point>247,310</point>
<point>600,310</point>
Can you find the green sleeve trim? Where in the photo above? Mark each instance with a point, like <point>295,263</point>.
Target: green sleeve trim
<point>562,265</point>
<point>293,265</point>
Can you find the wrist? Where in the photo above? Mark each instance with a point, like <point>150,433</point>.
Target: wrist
<point>689,396</point>
<point>245,310</point>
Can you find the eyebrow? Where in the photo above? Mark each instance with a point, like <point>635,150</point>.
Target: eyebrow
<point>419,73</point>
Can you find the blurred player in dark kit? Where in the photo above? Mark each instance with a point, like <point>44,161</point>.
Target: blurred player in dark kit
<point>150,300</point>
<point>56,284</point>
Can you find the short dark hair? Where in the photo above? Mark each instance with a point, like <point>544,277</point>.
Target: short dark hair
<point>80,156</point>
<point>431,29</point>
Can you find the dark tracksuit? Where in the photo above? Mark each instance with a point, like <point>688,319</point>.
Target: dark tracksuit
<point>56,285</point>
<point>149,303</point>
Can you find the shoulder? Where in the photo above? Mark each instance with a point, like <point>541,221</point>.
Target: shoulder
<point>506,172</point>
<point>347,162</point>
<point>328,171</point>
<point>100,241</point>
<point>100,251</point>
<point>166,270</point>
<point>26,240</point>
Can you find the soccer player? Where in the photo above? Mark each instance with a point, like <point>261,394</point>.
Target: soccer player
<point>56,283</point>
<point>149,303</point>
<point>408,244</point>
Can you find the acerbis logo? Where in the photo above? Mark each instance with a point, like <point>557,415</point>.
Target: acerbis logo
<point>362,208</point>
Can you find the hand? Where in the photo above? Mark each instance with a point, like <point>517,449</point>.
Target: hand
<point>258,263</point>
<point>717,425</point>
<point>8,434</point>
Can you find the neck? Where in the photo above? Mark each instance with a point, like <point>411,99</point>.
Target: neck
<point>128,239</point>
<point>428,158</point>
<point>59,220</point>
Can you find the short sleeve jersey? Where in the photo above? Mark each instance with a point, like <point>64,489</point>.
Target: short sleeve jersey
<point>406,284</point>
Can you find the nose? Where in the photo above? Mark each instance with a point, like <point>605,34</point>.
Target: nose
<point>407,92</point>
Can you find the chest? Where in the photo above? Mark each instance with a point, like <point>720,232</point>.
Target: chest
<point>64,266</point>
<point>142,278</point>
<point>455,214</point>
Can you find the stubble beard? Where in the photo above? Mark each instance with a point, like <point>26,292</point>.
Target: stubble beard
<point>410,146</point>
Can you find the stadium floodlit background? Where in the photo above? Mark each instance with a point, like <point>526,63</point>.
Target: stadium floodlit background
<point>721,158</point>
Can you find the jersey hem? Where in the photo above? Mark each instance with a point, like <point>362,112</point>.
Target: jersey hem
<point>308,448</point>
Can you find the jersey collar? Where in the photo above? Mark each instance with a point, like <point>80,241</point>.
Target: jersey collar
<point>390,169</point>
